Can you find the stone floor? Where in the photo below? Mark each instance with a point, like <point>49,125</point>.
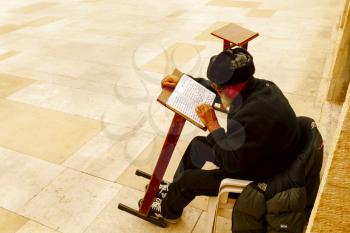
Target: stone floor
<point>78,87</point>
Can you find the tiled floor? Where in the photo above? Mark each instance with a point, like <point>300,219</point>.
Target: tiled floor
<point>10,222</point>
<point>206,36</point>
<point>71,201</point>
<point>42,133</point>
<point>242,4</point>
<point>10,84</point>
<point>177,55</point>
<point>78,88</point>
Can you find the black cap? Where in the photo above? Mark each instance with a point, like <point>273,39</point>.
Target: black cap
<point>231,66</point>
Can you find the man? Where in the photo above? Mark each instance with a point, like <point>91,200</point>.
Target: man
<point>261,138</point>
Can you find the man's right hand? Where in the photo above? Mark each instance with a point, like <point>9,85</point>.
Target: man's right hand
<point>170,82</point>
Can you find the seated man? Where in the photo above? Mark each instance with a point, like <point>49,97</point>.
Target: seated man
<point>261,138</point>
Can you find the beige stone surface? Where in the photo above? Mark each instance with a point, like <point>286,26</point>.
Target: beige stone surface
<point>177,55</point>
<point>176,13</point>
<point>7,28</point>
<point>41,21</point>
<point>206,36</point>
<point>241,4</point>
<point>113,220</point>
<point>263,13</point>
<point>23,177</point>
<point>31,8</point>
<point>10,84</point>
<point>223,224</point>
<point>7,55</point>
<point>329,120</point>
<point>123,106</point>
<point>45,134</point>
<point>70,202</point>
<point>111,152</point>
<point>10,222</point>
<point>146,162</point>
<point>305,105</point>
<point>34,227</point>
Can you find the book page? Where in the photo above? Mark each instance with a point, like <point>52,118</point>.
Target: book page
<point>187,95</point>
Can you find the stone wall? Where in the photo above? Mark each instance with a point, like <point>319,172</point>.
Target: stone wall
<point>332,207</point>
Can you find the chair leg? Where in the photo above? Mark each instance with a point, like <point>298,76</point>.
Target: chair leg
<point>213,205</point>
<point>213,202</point>
<point>223,198</point>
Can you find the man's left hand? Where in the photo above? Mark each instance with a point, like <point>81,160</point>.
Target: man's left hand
<point>207,115</point>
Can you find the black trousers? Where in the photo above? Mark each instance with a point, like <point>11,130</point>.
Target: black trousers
<point>190,180</point>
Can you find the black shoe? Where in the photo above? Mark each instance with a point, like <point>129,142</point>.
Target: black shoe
<point>156,210</point>
<point>162,190</point>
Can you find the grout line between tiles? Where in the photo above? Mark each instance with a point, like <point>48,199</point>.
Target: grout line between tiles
<point>199,217</point>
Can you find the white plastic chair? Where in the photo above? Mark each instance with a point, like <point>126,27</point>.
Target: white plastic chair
<point>221,202</point>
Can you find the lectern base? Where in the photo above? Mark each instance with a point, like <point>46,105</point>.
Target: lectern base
<point>155,221</point>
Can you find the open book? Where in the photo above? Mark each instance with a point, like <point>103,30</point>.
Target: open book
<point>187,95</point>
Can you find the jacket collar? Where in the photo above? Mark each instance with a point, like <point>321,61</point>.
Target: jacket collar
<point>249,87</point>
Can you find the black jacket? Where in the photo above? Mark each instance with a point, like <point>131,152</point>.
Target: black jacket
<point>284,202</point>
<point>262,134</point>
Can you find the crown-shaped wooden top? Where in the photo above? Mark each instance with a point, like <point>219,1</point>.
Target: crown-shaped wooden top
<point>235,34</point>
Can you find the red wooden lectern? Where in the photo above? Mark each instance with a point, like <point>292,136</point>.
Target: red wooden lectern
<point>156,179</point>
<point>232,35</point>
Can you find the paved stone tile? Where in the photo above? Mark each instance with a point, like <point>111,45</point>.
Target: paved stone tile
<point>45,134</point>
<point>71,202</point>
<point>10,222</point>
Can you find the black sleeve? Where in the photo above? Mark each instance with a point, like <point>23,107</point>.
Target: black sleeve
<point>207,83</point>
<point>243,146</point>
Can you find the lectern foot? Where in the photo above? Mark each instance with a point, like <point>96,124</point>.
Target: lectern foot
<point>146,175</point>
<point>156,221</point>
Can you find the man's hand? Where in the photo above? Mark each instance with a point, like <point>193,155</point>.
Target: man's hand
<point>170,81</point>
<point>207,115</point>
